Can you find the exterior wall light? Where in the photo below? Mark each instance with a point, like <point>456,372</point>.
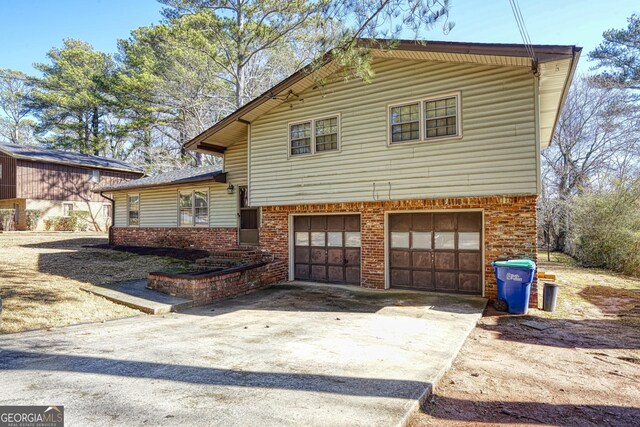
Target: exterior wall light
<point>230,189</point>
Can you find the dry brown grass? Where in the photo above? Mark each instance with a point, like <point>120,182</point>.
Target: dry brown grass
<point>41,275</point>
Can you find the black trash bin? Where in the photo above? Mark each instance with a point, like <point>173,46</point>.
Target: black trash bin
<point>550,297</point>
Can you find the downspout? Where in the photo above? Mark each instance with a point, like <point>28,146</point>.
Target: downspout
<point>113,216</point>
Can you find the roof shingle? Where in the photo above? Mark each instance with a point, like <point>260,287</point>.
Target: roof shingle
<point>48,155</point>
<point>180,176</point>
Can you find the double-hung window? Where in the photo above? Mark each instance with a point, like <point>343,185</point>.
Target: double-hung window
<point>194,208</point>
<point>133,208</point>
<point>426,119</point>
<point>314,136</point>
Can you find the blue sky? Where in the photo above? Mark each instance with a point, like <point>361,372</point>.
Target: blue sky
<point>29,28</point>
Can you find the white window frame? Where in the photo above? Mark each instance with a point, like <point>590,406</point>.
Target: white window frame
<point>64,205</point>
<point>129,210</point>
<point>423,119</point>
<point>193,207</point>
<point>107,206</point>
<point>94,175</point>
<point>313,121</point>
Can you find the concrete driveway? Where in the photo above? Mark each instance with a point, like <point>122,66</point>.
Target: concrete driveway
<point>295,354</point>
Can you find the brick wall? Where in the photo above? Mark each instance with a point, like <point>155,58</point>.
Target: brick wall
<point>510,230</point>
<point>183,237</point>
<point>208,288</point>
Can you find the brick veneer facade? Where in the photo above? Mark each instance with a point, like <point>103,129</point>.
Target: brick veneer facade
<point>211,239</point>
<point>509,230</point>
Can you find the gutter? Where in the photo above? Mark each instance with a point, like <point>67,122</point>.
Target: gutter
<point>113,216</point>
<point>567,85</point>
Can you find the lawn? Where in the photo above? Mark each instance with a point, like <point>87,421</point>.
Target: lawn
<point>582,369</point>
<point>42,275</point>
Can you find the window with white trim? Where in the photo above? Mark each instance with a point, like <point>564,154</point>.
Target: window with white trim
<point>194,208</point>
<point>314,136</point>
<point>133,209</point>
<point>95,175</point>
<point>67,208</point>
<point>424,120</point>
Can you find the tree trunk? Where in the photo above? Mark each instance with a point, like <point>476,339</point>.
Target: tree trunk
<point>95,128</point>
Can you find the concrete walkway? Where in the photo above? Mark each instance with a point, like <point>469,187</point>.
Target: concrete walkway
<point>135,294</point>
<point>295,354</point>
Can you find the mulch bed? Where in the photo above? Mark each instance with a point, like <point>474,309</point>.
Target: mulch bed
<point>177,253</point>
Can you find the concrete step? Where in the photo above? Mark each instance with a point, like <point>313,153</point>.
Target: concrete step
<point>135,294</point>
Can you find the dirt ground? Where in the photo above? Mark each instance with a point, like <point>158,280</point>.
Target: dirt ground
<point>583,369</point>
<point>41,275</point>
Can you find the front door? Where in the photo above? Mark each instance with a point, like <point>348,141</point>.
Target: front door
<point>248,233</point>
<point>436,251</point>
<point>327,248</point>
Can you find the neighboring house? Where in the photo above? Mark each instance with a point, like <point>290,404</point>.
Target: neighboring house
<point>417,180</point>
<point>57,182</point>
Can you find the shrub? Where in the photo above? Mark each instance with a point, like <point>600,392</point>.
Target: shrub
<point>32,216</point>
<point>606,230</point>
<point>82,220</point>
<point>61,223</point>
<point>7,217</point>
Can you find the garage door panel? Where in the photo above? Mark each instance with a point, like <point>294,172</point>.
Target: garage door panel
<point>470,282</point>
<point>335,274</point>
<point>352,255</point>
<point>444,222</point>
<point>422,260</point>
<point>436,251</point>
<point>445,260</point>
<point>422,222</point>
<point>335,256</point>
<point>423,279</point>
<point>400,278</point>
<point>446,281</point>
<point>352,223</point>
<point>301,255</point>
<point>400,259</point>
<point>327,248</point>
<point>335,223</point>
<point>470,261</point>
<point>318,256</point>
<point>302,271</point>
<point>319,273</point>
<point>301,223</point>
<point>352,275</point>
<point>318,222</point>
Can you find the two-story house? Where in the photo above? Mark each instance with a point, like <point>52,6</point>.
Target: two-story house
<point>57,182</point>
<point>416,180</point>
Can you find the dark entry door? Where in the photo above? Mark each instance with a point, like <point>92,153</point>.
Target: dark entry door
<point>436,251</point>
<point>248,220</point>
<point>327,248</point>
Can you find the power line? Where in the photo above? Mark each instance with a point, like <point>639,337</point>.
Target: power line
<point>522,28</point>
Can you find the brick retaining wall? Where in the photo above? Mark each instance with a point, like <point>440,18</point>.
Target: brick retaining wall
<point>208,288</point>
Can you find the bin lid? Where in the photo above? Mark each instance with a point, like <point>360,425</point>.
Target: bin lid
<point>515,263</point>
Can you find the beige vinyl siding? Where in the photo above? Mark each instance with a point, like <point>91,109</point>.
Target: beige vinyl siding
<point>159,206</point>
<point>120,211</point>
<point>496,154</point>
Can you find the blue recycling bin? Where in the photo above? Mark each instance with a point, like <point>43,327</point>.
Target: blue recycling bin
<point>514,279</point>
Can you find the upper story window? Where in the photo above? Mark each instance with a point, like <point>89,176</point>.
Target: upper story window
<point>425,119</point>
<point>133,208</point>
<point>314,136</point>
<point>95,175</point>
<point>194,208</point>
